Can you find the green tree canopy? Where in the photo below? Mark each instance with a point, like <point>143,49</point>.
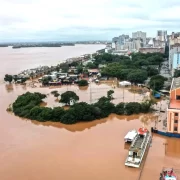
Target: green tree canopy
<point>8,78</point>
<point>79,69</point>
<point>152,71</point>
<point>137,76</point>
<point>157,82</point>
<point>69,96</point>
<point>83,82</point>
<point>132,108</point>
<point>91,65</point>
<point>46,80</point>
<point>110,95</point>
<point>177,73</point>
<point>64,67</point>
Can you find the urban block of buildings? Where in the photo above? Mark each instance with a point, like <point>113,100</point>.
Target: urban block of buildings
<point>139,42</point>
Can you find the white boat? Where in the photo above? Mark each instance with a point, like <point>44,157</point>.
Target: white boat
<point>138,148</point>
<point>130,136</point>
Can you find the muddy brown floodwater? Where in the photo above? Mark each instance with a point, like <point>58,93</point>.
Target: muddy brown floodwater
<point>94,150</point>
<point>30,150</point>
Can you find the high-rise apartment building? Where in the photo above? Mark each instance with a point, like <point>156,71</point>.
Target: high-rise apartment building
<point>120,41</point>
<point>161,35</point>
<point>139,35</point>
<point>174,48</point>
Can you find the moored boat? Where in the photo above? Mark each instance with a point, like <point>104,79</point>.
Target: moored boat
<point>138,148</point>
<point>130,136</point>
<point>168,174</point>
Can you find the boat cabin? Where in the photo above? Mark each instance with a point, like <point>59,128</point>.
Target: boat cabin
<point>130,136</point>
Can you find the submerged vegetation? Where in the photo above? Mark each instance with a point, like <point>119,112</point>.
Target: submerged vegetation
<point>28,106</point>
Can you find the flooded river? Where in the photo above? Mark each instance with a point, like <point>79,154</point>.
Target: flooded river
<point>30,150</point>
<point>16,60</point>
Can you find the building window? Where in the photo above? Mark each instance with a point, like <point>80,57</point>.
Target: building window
<point>175,129</point>
<point>175,114</point>
<point>177,97</point>
<point>175,121</point>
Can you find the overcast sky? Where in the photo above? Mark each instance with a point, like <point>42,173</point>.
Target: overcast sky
<point>68,20</point>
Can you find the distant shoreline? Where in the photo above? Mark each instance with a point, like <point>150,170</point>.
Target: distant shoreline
<point>73,57</point>
<point>18,45</point>
<point>34,45</point>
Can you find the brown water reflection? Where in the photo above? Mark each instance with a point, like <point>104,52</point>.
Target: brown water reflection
<point>88,125</point>
<point>9,87</point>
<point>93,150</point>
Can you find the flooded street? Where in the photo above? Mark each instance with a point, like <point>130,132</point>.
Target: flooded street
<point>93,150</point>
<point>30,150</point>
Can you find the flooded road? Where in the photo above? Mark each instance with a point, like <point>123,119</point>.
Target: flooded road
<point>94,150</point>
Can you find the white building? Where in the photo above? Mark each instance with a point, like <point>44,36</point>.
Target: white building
<point>161,35</point>
<point>139,35</point>
<point>174,47</point>
<point>119,42</point>
<point>130,45</point>
<point>176,62</point>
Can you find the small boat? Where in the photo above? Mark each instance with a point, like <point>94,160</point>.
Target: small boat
<point>130,136</point>
<point>168,174</point>
<point>138,148</point>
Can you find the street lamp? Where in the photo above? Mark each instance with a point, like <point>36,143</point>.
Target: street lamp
<point>165,144</point>
<point>155,122</point>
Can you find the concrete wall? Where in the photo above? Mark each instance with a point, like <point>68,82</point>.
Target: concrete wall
<point>151,50</point>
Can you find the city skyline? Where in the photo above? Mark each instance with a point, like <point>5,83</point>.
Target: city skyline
<point>38,20</point>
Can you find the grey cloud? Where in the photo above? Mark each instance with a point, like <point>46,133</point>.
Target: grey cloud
<point>8,20</point>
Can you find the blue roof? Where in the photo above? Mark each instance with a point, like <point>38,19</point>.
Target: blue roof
<point>157,95</point>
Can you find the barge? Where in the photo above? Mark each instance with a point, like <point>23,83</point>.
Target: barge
<point>138,148</point>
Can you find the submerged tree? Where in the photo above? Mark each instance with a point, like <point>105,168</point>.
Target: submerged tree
<point>110,95</point>
<point>68,97</point>
<point>8,78</point>
<point>83,82</point>
<point>46,80</point>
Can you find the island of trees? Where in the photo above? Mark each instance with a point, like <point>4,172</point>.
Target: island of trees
<point>28,106</point>
<point>48,44</point>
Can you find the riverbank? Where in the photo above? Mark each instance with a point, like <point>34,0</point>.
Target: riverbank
<point>13,61</point>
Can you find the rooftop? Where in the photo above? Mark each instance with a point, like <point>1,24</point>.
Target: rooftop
<point>151,48</point>
<point>93,70</point>
<point>175,83</point>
